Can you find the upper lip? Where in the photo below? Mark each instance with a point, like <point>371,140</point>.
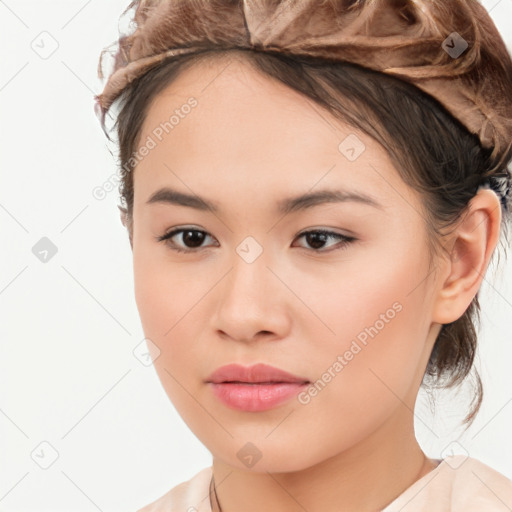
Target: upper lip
<point>255,373</point>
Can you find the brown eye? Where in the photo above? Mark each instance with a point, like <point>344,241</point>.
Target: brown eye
<point>317,239</point>
<point>191,238</point>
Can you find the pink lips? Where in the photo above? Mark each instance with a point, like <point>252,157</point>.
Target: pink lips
<point>254,388</point>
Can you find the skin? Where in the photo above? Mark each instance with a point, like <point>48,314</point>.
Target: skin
<point>249,143</point>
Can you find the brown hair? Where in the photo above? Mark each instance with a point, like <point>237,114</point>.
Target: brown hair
<point>432,150</point>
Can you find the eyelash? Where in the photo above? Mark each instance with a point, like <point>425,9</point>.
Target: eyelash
<point>344,240</point>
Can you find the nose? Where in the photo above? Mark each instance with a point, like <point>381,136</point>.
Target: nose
<point>252,302</point>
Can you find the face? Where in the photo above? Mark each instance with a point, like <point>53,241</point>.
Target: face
<point>348,310</point>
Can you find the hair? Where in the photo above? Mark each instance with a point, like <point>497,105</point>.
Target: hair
<point>433,152</point>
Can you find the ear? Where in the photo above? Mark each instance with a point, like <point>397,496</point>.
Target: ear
<point>124,214</point>
<point>471,246</point>
<point>125,222</point>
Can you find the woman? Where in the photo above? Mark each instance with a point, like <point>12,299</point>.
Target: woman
<point>313,192</point>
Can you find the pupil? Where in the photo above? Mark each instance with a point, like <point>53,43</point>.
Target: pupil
<point>195,234</point>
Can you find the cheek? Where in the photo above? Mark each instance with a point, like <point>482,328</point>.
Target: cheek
<point>170,299</point>
<point>164,291</point>
<point>372,365</point>
<point>165,304</point>
<point>380,323</point>
<point>373,309</point>
<point>156,297</point>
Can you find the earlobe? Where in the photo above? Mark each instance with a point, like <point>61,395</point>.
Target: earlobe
<point>471,247</point>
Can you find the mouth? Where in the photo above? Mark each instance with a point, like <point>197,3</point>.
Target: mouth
<point>255,396</point>
<point>254,388</point>
<point>256,374</point>
<point>262,383</point>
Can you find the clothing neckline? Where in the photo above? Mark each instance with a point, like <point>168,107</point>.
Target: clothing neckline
<point>215,507</point>
<point>427,477</point>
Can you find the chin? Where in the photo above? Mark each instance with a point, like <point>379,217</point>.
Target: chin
<point>260,455</point>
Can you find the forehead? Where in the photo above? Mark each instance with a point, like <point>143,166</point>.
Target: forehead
<point>250,131</point>
<point>237,101</point>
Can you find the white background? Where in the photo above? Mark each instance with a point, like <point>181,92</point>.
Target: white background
<point>69,326</point>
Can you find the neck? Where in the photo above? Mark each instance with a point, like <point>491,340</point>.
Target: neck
<point>366,477</point>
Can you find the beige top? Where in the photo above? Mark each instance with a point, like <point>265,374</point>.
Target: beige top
<point>457,484</point>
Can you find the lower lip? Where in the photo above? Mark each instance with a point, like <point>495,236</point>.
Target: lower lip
<point>255,397</point>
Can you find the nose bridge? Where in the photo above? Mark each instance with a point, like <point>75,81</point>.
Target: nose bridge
<point>249,274</point>
<point>247,301</point>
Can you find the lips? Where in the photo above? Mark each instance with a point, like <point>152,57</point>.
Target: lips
<point>255,374</point>
<point>256,388</point>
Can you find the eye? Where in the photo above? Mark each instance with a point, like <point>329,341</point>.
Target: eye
<point>190,237</point>
<point>193,238</point>
<point>319,236</point>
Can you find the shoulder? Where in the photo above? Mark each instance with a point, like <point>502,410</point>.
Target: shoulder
<point>457,484</point>
<point>189,496</point>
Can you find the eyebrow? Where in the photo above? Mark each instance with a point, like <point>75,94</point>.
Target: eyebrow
<point>168,195</point>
